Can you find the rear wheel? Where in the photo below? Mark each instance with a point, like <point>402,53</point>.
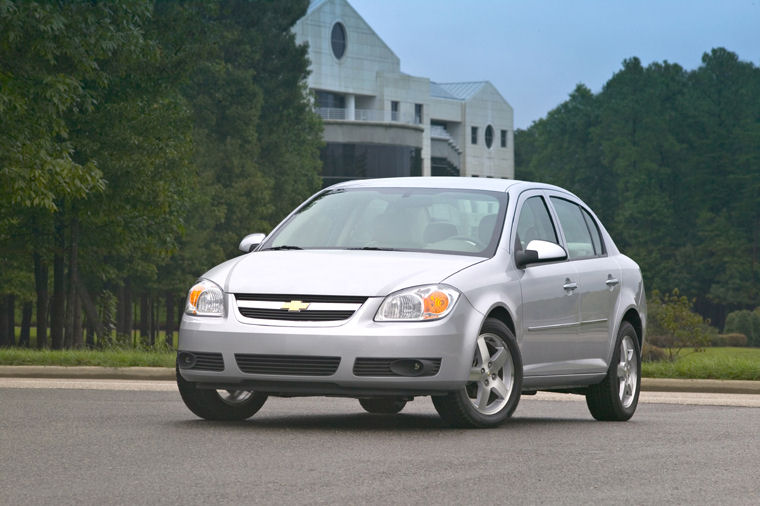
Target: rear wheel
<point>383,405</point>
<point>616,398</point>
<point>493,390</point>
<point>219,404</point>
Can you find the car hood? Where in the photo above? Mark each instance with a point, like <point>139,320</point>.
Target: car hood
<point>335,272</point>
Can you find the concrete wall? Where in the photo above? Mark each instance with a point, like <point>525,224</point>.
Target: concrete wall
<point>365,55</point>
<point>487,107</point>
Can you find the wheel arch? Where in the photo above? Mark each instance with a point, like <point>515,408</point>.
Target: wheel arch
<point>502,314</point>
<point>632,316</point>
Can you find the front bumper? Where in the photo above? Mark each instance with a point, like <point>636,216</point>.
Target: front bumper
<point>452,340</point>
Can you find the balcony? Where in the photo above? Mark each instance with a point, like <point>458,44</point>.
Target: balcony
<point>370,115</point>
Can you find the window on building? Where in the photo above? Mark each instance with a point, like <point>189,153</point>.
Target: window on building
<point>489,136</point>
<point>474,135</point>
<point>394,110</point>
<point>338,40</point>
<point>503,138</point>
<point>418,113</point>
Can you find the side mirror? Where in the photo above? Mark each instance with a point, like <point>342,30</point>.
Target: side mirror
<point>250,241</point>
<point>539,252</point>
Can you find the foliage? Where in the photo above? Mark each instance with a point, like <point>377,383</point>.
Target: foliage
<point>712,363</point>
<point>745,322</point>
<point>652,353</point>
<point>738,340</point>
<point>669,160</point>
<point>139,141</point>
<point>674,326</point>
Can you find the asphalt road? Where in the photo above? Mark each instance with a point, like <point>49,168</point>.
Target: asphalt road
<point>118,445</point>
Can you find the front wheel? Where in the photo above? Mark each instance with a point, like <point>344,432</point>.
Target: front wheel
<point>493,389</point>
<point>615,399</point>
<point>219,404</point>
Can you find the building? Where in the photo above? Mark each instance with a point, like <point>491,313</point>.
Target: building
<point>381,122</point>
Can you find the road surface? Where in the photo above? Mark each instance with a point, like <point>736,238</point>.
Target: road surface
<point>126,442</point>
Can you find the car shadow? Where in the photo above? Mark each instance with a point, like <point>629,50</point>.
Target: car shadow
<point>364,422</point>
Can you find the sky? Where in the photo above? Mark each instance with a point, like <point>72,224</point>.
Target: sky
<point>536,51</point>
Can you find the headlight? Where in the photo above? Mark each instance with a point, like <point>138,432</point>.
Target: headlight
<point>205,299</point>
<point>429,302</point>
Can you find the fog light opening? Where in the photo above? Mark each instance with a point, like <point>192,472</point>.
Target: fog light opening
<point>186,360</point>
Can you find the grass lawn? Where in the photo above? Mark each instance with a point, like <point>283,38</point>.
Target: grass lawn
<point>712,363</point>
<point>105,358</point>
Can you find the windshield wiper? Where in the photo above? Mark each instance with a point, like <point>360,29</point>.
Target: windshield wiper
<point>373,248</point>
<point>281,248</point>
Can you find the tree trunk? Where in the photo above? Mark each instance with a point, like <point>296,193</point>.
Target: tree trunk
<point>129,313</point>
<point>74,301</point>
<point>90,340</point>
<point>155,327</point>
<point>120,311</point>
<point>59,291</point>
<point>41,286</point>
<point>5,338</point>
<point>11,309</point>
<point>144,316</point>
<point>26,323</point>
<point>180,312</point>
<point>91,311</point>
<point>169,319</point>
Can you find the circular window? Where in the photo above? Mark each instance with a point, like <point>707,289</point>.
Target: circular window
<point>489,136</point>
<point>338,40</point>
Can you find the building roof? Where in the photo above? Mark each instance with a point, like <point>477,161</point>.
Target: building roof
<point>458,91</point>
<point>313,4</point>
<point>439,92</point>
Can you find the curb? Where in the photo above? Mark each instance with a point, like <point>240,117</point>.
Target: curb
<point>705,386</point>
<point>167,374</point>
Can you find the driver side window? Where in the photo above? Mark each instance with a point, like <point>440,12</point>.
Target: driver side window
<point>535,223</point>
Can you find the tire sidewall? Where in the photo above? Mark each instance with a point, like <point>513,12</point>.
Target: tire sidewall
<point>626,329</point>
<point>498,328</point>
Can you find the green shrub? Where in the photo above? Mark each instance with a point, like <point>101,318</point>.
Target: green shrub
<point>744,322</point>
<point>652,353</point>
<point>735,339</point>
<point>675,325</point>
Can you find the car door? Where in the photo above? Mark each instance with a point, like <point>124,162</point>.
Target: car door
<point>550,300</point>
<point>598,282</point>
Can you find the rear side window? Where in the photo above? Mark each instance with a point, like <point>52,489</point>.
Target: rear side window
<point>593,228</point>
<point>581,232</point>
<point>535,223</point>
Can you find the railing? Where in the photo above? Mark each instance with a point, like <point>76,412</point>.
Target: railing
<point>375,115</point>
<point>438,132</point>
<point>331,113</point>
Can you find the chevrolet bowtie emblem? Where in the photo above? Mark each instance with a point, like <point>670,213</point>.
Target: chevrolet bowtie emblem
<point>295,305</point>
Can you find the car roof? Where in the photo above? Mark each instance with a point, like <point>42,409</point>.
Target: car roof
<point>466,183</point>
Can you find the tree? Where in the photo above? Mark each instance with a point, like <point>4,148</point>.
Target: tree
<point>675,324</point>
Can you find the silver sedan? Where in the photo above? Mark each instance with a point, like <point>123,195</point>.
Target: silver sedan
<point>472,291</point>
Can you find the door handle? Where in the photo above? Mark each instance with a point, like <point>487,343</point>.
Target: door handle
<point>570,285</point>
<point>611,281</point>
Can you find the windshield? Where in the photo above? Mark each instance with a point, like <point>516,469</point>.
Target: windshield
<point>465,222</point>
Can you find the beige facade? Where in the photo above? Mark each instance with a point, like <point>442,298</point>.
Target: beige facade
<point>381,122</point>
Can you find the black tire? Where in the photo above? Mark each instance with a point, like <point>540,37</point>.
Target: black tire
<point>458,408</point>
<point>209,404</point>
<point>383,405</point>
<point>615,399</point>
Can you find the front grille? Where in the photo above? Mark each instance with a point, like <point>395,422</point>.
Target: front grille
<point>318,308</point>
<point>289,365</point>
<point>298,316</point>
<point>382,366</point>
<point>337,299</point>
<point>208,361</point>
